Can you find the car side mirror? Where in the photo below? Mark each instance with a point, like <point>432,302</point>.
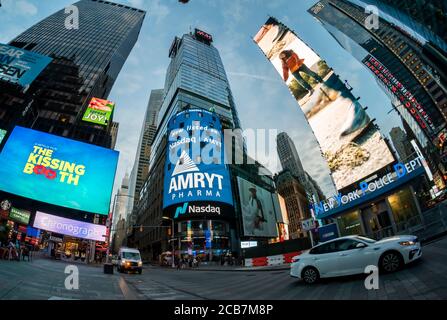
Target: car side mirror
<point>360,245</point>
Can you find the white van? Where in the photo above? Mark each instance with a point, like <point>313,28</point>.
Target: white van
<point>129,260</point>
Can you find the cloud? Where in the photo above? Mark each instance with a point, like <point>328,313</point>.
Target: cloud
<point>132,83</point>
<point>155,9</point>
<point>26,8</point>
<point>136,3</point>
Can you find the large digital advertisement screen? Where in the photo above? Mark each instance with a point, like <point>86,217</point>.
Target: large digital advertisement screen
<point>59,171</point>
<point>20,66</point>
<point>351,143</point>
<point>99,111</point>
<point>197,181</point>
<point>258,210</point>
<point>69,227</point>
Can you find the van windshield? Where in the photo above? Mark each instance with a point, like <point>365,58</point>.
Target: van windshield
<point>131,255</point>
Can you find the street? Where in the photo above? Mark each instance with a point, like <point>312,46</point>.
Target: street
<point>44,279</point>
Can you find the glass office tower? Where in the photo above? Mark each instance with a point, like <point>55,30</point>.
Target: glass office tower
<point>106,35</point>
<point>86,63</point>
<point>195,79</point>
<point>426,18</point>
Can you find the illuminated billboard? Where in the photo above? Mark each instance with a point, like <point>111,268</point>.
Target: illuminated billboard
<point>69,227</point>
<point>351,143</point>
<point>20,216</point>
<point>99,111</point>
<point>2,135</point>
<point>258,210</point>
<point>197,181</point>
<point>20,66</point>
<point>59,171</point>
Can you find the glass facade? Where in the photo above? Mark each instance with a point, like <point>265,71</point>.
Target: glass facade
<point>195,78</point>
<point>423,18</point>
<point>404,209</point>
<point>107,32</point>
<point>86,63</point>
<point>350,223</point>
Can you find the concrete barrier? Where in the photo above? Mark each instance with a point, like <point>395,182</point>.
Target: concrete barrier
<point>276,260</point>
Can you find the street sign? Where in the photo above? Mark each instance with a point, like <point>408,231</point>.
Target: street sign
<point>308,224</point>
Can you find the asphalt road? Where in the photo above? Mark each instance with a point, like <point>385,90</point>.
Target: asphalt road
<point>44,279</point>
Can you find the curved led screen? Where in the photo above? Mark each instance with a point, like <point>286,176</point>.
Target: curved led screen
<point>57,170</point>
<point>350,142</point>
<point>197,181</point>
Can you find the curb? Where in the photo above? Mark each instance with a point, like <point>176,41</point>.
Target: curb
<point>434,238</point>
<point>261,269</point>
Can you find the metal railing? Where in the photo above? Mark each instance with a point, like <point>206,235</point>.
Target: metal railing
<point>431,223</point>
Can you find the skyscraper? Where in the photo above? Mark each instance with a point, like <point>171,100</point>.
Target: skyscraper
<point>290,160</point>
<point>86,64</point>
<point>195,79</point>
<point>401,143</point>
<point>426,18</point>
<point>288,155</point>
<point>120,212</point>
<point>296,201</point>
<point>140,168</point>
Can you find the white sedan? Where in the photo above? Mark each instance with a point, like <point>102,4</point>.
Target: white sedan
<point>351,255</point>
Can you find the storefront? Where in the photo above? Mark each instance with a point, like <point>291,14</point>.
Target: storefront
<point>206,239</point>
<point>384,212</point>
<point>383,217</point>
<point>67,239</point>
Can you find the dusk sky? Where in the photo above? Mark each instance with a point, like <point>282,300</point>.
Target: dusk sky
<point>262,99</point>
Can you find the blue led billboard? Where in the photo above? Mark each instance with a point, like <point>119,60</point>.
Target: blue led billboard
<point>197,181</point>
<point>58,171</point>
<point>20,66</point>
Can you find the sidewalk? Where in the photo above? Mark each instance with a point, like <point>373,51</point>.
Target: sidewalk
<point>219,268</point>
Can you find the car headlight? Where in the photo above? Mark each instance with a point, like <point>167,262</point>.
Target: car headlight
<point>407,243</point>
<point>123,261</point>
<point>140,263</point>
<point>295,259</point>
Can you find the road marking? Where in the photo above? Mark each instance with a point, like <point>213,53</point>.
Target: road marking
<point>128,293</point>
<point>60,298</point>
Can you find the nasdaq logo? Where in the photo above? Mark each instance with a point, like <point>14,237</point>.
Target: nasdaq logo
<point>181,210</point>
<point>193,209</point>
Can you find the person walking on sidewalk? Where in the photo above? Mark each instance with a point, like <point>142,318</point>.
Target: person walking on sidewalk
<point>292,63</point>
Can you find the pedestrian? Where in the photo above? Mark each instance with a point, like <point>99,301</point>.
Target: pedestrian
<point>18,249</point>
<point>292,62</point>
<point>12,251</point>
<point>194,262</point>
<point>25,253</point>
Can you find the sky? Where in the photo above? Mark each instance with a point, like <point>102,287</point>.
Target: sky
<point>262,99</point>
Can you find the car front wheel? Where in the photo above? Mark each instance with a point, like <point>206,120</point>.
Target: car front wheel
<point>391,262</point>
<point>310,275</point>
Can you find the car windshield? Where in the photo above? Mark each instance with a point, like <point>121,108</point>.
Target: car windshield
<point>131,255</point>
<point>368,240</point>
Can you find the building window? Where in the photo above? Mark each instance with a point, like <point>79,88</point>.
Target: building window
<point>404,209</point>
<point>349,224</point>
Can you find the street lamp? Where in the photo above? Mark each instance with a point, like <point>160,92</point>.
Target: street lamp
<point>172,239</point>
<point>109,225</point>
